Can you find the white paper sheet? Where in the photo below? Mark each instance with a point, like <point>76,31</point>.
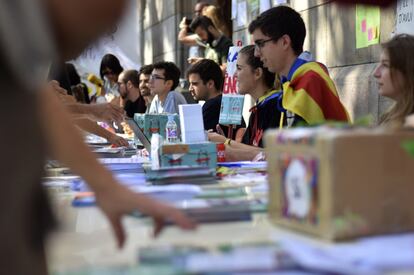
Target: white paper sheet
<point>191,123</point>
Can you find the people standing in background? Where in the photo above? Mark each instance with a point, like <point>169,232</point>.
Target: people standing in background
<point>214,14</point>
<point>190,39</point>
<point>217,44</point>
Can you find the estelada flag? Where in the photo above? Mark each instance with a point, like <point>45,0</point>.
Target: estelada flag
<point>311,94</point>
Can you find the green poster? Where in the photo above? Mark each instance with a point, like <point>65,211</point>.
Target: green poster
<point>367,25</point>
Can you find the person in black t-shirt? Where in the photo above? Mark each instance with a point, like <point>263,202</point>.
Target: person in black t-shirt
<point>128,82</point>
<point>206,81</point>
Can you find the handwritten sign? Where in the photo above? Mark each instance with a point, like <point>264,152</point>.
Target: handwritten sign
<point>404,17</point>
<point>231,103</point>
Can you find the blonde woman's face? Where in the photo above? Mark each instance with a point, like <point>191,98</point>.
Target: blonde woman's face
<point>386,86</point>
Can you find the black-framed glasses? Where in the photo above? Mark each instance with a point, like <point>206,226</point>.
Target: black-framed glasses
<point>259,44</point>
<point>155,77</point>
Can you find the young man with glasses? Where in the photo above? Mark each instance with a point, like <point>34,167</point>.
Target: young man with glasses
<point>164,79</point>
<point>309,94</point>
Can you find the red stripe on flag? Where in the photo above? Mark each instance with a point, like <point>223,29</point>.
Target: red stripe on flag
<point>317,88</point>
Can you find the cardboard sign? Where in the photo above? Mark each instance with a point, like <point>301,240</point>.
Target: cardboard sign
<point>231,103</point>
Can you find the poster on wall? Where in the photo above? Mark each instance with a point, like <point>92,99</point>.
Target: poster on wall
<point>404,17</point>
<point>367,25</point>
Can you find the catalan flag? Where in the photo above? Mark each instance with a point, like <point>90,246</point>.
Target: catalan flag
<point>310,93</point>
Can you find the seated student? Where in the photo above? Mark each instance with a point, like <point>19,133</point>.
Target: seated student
<point>253,79</point>
<point>164,79</point>
<point>394,76</point>
<point>309,94</point>
<point>206,82</point>
<point>144,77</point>
<point>128,82</point>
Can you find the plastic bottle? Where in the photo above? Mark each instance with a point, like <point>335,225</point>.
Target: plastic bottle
<point>171,134</point>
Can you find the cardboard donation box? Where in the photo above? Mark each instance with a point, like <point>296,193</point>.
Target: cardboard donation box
<point>341,183</point>
<point>154,123</point>
<point>203,154</point>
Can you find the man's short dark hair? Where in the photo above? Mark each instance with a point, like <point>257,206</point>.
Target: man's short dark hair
<point>279,21</point>
<point>146,69</point>
<point>171,72</point>
<point>131,75</point>
<point>201,21</point>
<point>208,70</point>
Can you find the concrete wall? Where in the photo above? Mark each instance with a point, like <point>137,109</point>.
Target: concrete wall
<point>331,38</point>
<point>160,20</point>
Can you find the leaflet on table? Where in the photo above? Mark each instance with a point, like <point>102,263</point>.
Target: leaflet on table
<point>167,193</point>
<point>225,259</point>
<point>373,255</point>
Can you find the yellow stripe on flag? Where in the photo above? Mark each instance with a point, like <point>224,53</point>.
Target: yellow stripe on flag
<point>301,103</point>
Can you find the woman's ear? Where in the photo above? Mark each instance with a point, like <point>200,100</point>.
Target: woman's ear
<point>258,73</point>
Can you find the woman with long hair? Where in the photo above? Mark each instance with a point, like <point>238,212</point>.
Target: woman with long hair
<point>395,78</point>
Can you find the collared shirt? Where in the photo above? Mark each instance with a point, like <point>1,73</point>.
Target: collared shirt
<point>170,105</point>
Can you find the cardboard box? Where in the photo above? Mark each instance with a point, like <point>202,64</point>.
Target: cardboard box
<point>155,123</point>
<point>193,155</point>
<point>341,183</point>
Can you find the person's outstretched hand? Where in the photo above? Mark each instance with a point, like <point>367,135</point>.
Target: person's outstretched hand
<point>118,201</point>
<point>118,141</point>
<point>108,112</point>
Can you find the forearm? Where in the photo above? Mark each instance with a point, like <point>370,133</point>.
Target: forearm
<point>65,143</point>
<point>92,127</point>
<point>240,152</point>
<point>79,109</point>
<point>189,40</point>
